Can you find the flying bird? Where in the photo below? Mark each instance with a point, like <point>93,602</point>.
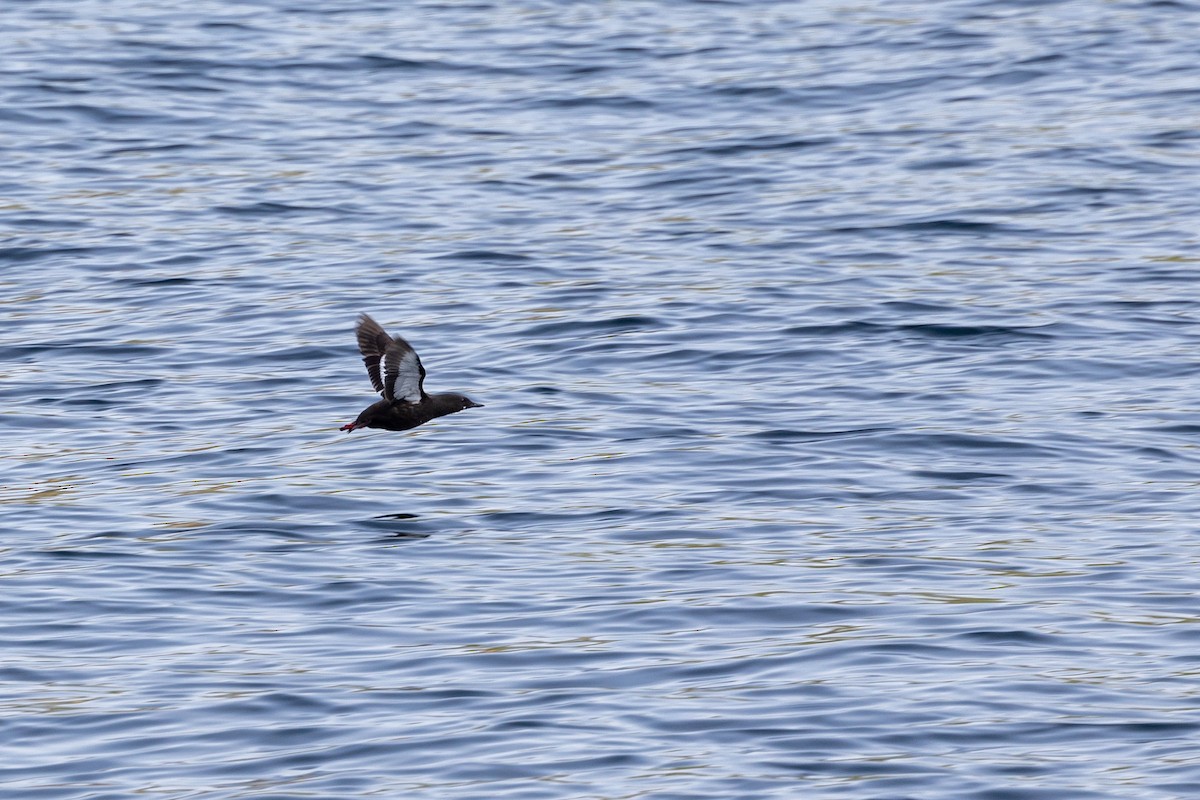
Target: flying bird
<point>405,404</point>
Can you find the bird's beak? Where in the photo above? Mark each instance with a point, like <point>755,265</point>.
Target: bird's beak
<point>475,405</point>
<point>347,428</point>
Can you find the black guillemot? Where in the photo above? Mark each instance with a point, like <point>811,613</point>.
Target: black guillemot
<point>405,404</point>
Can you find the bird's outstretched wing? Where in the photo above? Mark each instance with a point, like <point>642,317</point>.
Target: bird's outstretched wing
<point>373,342</point>
<point>403,375</point>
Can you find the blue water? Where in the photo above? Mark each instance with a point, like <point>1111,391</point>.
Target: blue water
<point>840,365</point>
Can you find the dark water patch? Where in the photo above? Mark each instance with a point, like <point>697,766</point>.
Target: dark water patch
<point>563,177</point>
<point>361,63</point>
<point>937,331</point>
<point>658,431</point>
<point>941,331</point>
<point>248,530</point>
<point>227,26</point>
<point>849,326</point>
<point>948,226</point>
<point>414,129</point>
<point>782,436</point>
<point>605,326</point>
<point>1186,429</point>
<point>391,62</point>
<point>1171,139</point>
<point>946,163</point>
<point>103,115</point>
<point>138,385</point>
<point>165,281</point>
<point>301,353</point>
<point>21,117</point>
<point>1089,191</point>
<point>1012,77</point>
<point>753,91</point>
<point>151,147</point>
<point>916,307</point>
<point>485,256</point>
<point>404,525</point>
<point>43,421</point>
<point>954,37</point>
<point>1013,638</point>
<point>22,255</point>
<point>685,180</point>
<point>44,223</point>
<point>85,403</point>
<point>266,209</point>
<point>566,102</point>
<point>962,475</point>
<point>753,144</point>
<point>946,443</point>
<point>91,349</point>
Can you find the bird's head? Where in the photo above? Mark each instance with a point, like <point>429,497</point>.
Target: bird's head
<point>465,402</point>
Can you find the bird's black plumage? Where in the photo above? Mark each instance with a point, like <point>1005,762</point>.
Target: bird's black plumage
<point>402,383</point>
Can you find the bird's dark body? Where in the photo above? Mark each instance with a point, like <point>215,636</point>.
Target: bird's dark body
<point>396,373</point>
<point>397,415</point>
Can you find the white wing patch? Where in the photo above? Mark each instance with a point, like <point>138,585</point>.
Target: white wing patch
<point>403,372</point>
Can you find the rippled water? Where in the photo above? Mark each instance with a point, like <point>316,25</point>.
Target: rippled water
<point>839,364</point>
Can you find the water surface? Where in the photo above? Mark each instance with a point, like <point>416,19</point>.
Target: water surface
<point>839,369</point>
